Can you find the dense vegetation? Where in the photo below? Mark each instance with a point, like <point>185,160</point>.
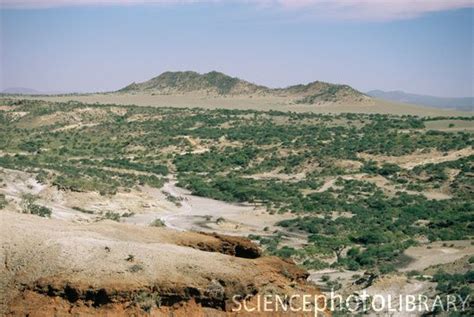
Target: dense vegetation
<point>457,283</point>
<point>323,168</point>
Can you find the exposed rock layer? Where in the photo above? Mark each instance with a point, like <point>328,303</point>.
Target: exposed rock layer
<point>111,269</point>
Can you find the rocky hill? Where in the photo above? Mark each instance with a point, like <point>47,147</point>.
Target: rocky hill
<point>321,92</point>
<point>219,84</point>
<point>186,82</point>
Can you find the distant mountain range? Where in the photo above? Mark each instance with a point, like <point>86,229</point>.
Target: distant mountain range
<point>219,84</point>
<point>20,91</point>
<point>465,104</point>
<point>29,91</point>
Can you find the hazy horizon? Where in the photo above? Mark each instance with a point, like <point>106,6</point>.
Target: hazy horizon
<point>35,91</point>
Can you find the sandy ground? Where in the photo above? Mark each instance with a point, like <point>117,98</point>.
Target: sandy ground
<point>382,183</point>
<point>54,263</point>
<point>346,278</point>
<point>392,286</point>
<point>256,103</point>
<point>456,125</point>
<point>440,252</point>
<point>146,204</point>
<point>209,215</point>
<point>420,158</point>
<point>82,253</point>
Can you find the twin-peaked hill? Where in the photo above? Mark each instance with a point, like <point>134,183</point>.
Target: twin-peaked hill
<point>219,84</point>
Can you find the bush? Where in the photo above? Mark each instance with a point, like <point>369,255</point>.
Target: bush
<point>157,223</point>
<point>3,201</point>
<point>29,206</point>
<point>285,252</point>
<point>112,216</point>
<point>389,169</point>
<point>387,268</point>
<point>314,264</point>
<point>86,211</point>
<point>41,211</point>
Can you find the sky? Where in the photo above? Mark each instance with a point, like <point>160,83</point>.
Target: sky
<point>418,46</point>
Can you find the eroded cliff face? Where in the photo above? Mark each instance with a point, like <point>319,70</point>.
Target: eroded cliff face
<point>56,268</point>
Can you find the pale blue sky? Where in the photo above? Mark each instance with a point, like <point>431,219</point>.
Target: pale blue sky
<point>89,47</point>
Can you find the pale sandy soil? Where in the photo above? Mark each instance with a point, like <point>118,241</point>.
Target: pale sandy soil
<point>84,252</point>
<point>74,126</point>
<point>344,277</point>
<point>419,158</point>
<point>147,204</point>
<point>382,183</point>
<point>256,103</point>
<point>79,117</point>
<point>392,286</point>
<point>443,125</point>
<point>46,261</point>
<point>202,214</point>
<point>277,175</point>
<point>435,253</point>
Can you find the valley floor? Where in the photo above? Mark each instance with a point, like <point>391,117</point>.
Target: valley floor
<point>167,210</point>
<point>266,103</point>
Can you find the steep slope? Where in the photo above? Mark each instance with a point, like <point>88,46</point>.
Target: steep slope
<point>110,269</point>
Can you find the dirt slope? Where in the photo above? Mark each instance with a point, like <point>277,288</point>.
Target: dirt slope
<point>111,269</point>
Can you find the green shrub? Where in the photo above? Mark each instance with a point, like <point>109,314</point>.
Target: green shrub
<point>112,216</point>
<point>30,207</point>
<point>41,211</point>
<point>3,201</point>
<point>157,223</point>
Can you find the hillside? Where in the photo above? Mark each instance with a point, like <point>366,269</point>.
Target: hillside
<point>321,92</point>
<point>463,104</point>
<point>219,84</point>
<point>186,82</point>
